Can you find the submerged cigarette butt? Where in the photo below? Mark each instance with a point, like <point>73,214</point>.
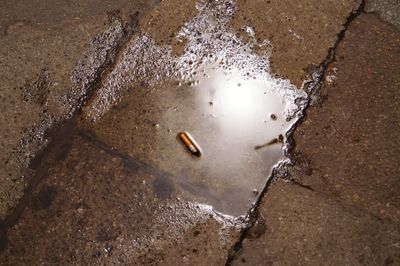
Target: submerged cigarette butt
<point>279,139</point>
<point>190,143</point>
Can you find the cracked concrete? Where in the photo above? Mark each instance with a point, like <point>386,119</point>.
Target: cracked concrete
<point>374,80</point>
<point>91,209</point>
<point>36,87</point>
<point>42,69</point>
<point>306,228</point>
<point>351,183</point>
<point>90,203</point>
<point>300,39</point>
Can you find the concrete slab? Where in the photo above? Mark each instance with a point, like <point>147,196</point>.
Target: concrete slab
<point>303,227</point>
<point>351,139</point>
<point>34,74</point>
<point>388,10</point>
<point>38,85</point>
<point>343,208</point>
<point>300,32</point>
<point>109,193</point>
<point>99,207</point>
<point>44,15</point>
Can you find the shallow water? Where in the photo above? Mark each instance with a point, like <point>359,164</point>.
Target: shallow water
<point>220,90</point>
<point>228,116</point>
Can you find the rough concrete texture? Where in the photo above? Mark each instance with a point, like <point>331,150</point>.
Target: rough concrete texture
<point>303,227</point>
<point>388,10</point>
<point>96,207</point>
<point>36,87</point>
<point>34,74</point>
<point>149,80</point>
<point>44,15</point>
<point>166,19</point>
<point>351,140</point>
<point>91,200</point>
<point>346,210</point>
<point>300,32</point>
<point>136,74</point>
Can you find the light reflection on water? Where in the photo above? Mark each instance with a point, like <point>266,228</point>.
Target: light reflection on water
<point>241,107</point>
<point>228,115</point>
<point>228,109</point>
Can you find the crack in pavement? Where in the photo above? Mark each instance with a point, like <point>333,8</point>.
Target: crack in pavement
<point>314,85</point>
<point>92,65</point>
<point>313,88</point>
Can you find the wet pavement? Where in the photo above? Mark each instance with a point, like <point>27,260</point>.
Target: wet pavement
<point>343,206</point>
<point>37,75</point>
<point>94,170</point>
<point>99,207</point>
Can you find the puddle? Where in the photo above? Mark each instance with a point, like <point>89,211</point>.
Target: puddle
<point>230,119</point>
<point>220,91</point>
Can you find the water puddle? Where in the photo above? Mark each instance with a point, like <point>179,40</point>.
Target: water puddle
<point>220,91</point>
<point>240,125</point>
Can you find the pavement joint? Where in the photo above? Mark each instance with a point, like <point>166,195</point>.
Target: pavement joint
<point>314,84</point>
<point>42,161</point>
<point>128,160</point>
<point>93,66</point>
<point>313,88</point>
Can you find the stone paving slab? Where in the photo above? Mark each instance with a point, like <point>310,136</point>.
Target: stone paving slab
<point>98,207</point>
<point>35,72</point>
<point>343,207</point>
<point>351,140</point>
<point>300,32</point>
<point>38,56</point>
<point>44,15</point>
<point>303,227</point>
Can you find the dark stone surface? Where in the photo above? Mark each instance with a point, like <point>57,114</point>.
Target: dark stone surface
<point>91,209</point>
<point>41,47</point>
<point>300,32</point>
<point>351,140</point>
<point>306,228</point>
<point>346,209</point>
<point>98,205</point>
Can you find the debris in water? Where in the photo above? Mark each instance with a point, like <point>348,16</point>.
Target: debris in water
<point>232,92</point>
<point>279,139</point>
<point>190,144</point>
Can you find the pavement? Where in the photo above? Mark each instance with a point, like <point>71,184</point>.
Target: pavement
<point>304,172</point>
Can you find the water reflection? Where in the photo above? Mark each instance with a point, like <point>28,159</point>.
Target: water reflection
<point>240,106</point>
<point>219,90</point>
<point>229,116</point>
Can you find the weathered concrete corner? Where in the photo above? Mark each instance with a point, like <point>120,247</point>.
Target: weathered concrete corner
<point>306,227</point>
